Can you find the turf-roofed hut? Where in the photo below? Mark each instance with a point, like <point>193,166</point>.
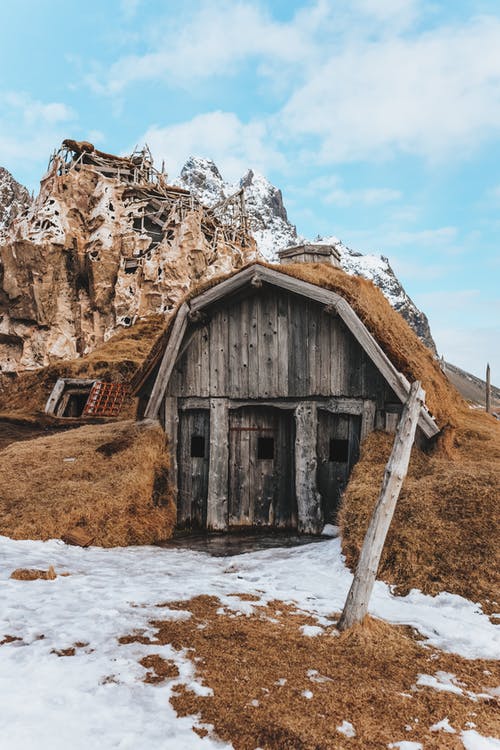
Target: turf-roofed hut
<point>266,384</point>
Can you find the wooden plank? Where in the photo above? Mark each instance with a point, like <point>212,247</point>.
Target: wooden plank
<point>217,501</point>
<point>205,361</point>
<point>267,345</point>
<point>57,391</point>
<point>356,605</point>
<point>219,354</point>
<point>234,351</point>
<point>167,363</point>
<point>314,359</point>
<point>253,347</point>
<point>343,405</point>
<point>244,357</point>
<point>282,325</point>
<point>308,498</point>
<point>368,418</point>
<point>172,431</point>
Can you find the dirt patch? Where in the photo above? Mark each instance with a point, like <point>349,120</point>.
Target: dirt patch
<point>275,688</point>
<point>56,486</point>
<point>71,651</point>
<point>445,531</point>
<point>159,669</point>
<point>33,574</point>
<point>9,639</point>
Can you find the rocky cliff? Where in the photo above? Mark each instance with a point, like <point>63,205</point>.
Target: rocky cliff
<point>106,241</point>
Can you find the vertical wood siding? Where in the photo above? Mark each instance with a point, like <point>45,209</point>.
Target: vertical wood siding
<point>274,344</point>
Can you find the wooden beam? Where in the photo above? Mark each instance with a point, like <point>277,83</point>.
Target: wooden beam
<point>54,397</point>
<point>167,363</point>
<point>488,389</point>
<point>310,516</point>
<point>356,605</point>
<point>171,430</point>
<point>218,468</point>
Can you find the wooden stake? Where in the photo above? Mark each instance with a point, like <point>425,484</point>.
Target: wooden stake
<point>356,605</point>
<point>488,389</point>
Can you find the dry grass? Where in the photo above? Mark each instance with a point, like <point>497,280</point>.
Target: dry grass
<point>445,531</point>
<point>107,480</point>
<point>259,667</point>
<point>159,669</point>
<point>116,360</point>
<point>34,574</point>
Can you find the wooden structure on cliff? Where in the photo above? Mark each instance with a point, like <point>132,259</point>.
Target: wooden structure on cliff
<point>265,386</point>
<point>155,205</point>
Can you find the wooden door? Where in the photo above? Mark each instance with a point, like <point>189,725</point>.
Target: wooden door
<point>261,468</point>
<point>338,451</point>
<point>193,454</point>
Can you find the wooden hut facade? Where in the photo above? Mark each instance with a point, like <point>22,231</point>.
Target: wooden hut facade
<point>265,387</point>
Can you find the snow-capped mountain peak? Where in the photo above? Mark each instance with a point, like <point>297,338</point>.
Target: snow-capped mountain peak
<point>14,199</point>
<point>201,177</point>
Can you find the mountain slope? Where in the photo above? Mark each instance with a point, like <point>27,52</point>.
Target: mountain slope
<point>14,199</point>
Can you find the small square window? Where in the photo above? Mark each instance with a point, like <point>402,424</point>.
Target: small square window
<point>197,446</point>
<point>265,447</point>
<point>339,450</point>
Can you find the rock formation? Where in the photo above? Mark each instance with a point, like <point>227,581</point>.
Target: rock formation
<point>106,241</point>
<point>14,199</point>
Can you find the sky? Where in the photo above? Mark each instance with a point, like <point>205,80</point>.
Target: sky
<point>378,119</point>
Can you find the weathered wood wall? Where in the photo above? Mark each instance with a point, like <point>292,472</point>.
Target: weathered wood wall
<point>273,344</point>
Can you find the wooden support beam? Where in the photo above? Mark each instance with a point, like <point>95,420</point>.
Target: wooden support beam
<point>356,605</point>
<point>218,468</point>
<point>167,363</point>
<point>171,431</point>
<point>488,389</point>
<point>310,517</point>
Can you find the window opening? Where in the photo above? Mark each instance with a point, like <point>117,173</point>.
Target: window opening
<point>265,447</point>
<point>197,446</point>
<point>339,450</point>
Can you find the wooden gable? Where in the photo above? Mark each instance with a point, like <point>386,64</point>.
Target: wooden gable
<point>298,340</point>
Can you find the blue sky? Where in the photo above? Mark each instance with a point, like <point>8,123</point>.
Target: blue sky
<point>379,120</point>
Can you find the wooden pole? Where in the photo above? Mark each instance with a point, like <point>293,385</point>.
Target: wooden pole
<point>488,389</point>
<point>356,605</point>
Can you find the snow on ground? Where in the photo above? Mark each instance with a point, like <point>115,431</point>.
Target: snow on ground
<point>114,592</point>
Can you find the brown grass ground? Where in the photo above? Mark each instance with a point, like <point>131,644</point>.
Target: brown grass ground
<point>259,667</point>
<point>445,531</point>
<point>107,480</point>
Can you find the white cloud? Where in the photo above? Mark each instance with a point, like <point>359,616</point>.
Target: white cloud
<point>431,94</point>
<point>233,145</point>
<point>214,40</point>
<point>361,80</point>
<point>29,128</point>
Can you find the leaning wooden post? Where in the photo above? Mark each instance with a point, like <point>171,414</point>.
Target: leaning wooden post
<point>356,605</point>
<point>488,389</point>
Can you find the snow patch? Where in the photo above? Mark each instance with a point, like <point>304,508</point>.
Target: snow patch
<point>347,729</point>
<point>472,740</point>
